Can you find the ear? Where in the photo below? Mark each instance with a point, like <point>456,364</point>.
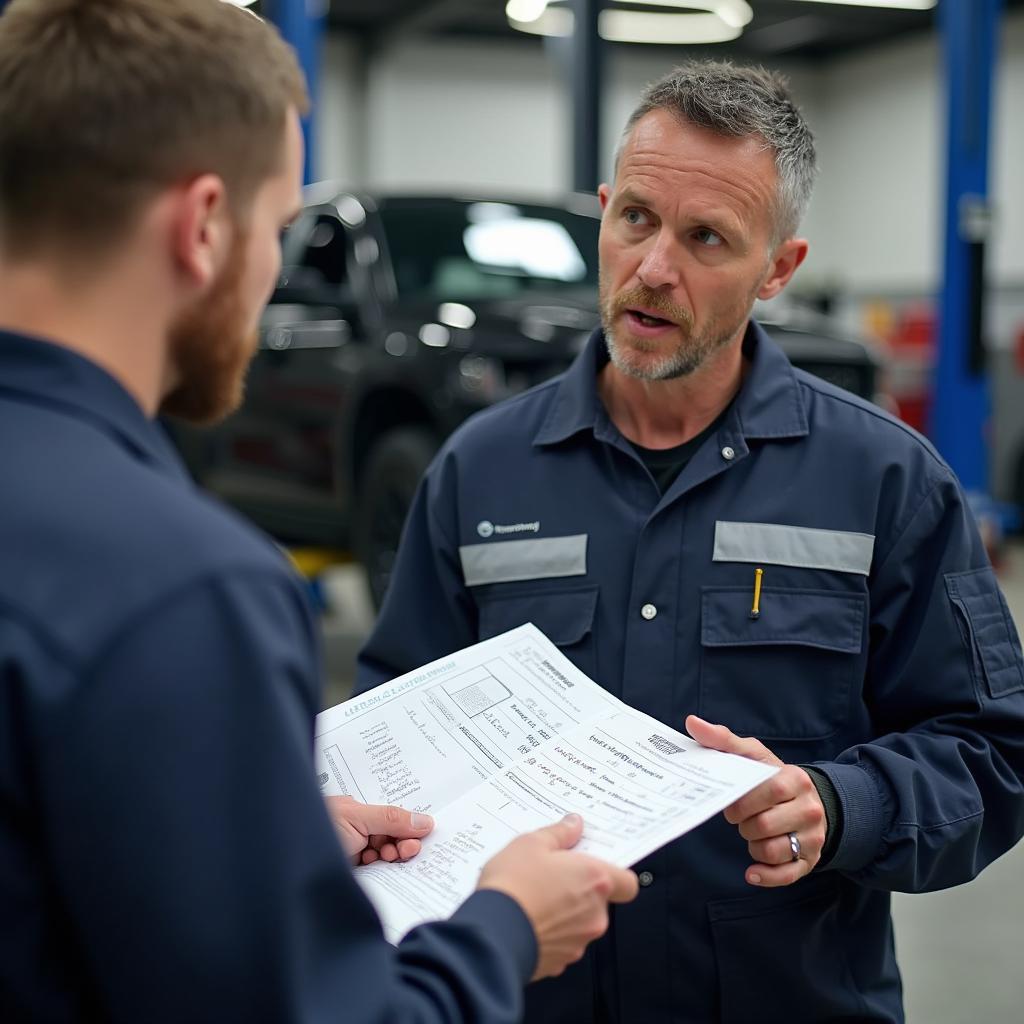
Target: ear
<point>202,229</point>
<point>604,195</point>
<point>787,257</point>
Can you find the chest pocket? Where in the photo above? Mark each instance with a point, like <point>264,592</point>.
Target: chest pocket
<point>788,674</point>
<point>564,615</point>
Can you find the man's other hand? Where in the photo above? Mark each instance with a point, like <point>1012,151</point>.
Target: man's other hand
<point>787,803</point>
<point>564,894</point>
<point>370,832</point>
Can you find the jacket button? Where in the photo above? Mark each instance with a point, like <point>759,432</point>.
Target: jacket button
<point>645,878</point>
<point>648,611</point>
<point>728,454</point>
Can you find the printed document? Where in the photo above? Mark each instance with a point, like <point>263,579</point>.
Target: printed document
<point>502,738</point>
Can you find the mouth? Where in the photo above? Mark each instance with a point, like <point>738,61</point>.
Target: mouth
<point>645,322</point>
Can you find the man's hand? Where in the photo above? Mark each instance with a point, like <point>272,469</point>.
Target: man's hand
<point>787,802</point>
<point>369,832</point>
<point>564,894</point>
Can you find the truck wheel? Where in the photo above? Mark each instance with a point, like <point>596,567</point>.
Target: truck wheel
<point>393,471</point>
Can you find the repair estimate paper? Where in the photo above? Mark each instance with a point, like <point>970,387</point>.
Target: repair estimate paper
<point>502,738</point>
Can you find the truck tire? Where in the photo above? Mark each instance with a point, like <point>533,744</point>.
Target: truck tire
<point>394,467</point>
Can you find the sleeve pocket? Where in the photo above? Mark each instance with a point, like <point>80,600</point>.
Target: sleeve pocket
<point>996,646</point>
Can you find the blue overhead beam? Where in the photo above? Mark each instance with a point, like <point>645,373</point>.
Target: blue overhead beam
<point>961,406</point>
<point>302,23</point>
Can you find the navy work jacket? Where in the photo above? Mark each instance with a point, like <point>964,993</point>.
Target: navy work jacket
<point>884,655</point>
<point>165,855</point>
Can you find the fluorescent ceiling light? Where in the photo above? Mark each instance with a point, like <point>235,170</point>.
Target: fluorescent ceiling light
<point>679,29</point>
<point>736,13</point>
<point>552,21</point>
<point>525,10</point>
<point>904,5</point>
<point>718,21</point>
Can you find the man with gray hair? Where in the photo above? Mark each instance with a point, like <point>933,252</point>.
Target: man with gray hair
<point>725,536</point>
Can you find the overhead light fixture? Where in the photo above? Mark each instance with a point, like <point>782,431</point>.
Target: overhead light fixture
<point>525,10</point>
<point>736,13</point>
<point>545,21</point>
<point>903,5</point>
<point>675,29</point>
<point>692,21</point>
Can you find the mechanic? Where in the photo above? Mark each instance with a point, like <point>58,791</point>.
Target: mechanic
<point>165,855</point>
<point>707,531</point>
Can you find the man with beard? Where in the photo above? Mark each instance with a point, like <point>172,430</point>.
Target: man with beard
<point>707,531</point>
<point>164,851</point>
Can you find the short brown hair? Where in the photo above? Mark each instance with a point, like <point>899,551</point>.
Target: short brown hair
<point>103,103</point>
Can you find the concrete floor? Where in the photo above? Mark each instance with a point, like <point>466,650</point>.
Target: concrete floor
<point>961,951</point>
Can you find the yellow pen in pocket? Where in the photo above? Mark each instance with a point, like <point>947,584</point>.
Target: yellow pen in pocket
<point>755,611</point>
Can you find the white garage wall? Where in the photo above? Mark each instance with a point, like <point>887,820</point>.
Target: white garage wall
<point>1008,158</point>
<point>882,191</point>
<point>441,116</point>
<point>339,113</point>
<point>878,198</point>
<point>444,116</point>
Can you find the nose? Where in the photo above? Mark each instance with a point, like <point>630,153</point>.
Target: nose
<point>658,269</point>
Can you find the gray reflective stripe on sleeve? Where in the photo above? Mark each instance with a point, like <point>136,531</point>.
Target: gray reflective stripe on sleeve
<point>800,546</point>
<point>506,561</point>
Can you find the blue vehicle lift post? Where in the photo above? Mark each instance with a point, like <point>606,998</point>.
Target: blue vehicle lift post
<point>302,24</point>
<point>961,405</point>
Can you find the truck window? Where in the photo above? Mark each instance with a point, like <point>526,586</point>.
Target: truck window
<point>327,250</point>
<point>315,259</point>
<point>460,250</point>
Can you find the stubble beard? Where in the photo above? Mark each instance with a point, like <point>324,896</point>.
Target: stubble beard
<point>211,346</point>
<point>639,357</point>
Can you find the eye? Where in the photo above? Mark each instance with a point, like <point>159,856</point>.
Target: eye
<point>709,237</point>
<point>634,217</point>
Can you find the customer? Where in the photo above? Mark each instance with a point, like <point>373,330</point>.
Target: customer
<point>164,851</point>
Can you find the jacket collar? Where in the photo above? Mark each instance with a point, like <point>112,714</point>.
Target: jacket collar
<point>48,374</point>
<point>769,403</point>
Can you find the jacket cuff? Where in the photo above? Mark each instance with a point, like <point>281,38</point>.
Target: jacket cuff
<point>500,918</point>
<point>833,814</point>
<point>862,815</point>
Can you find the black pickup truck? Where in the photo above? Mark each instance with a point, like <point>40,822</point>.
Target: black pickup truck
<point>395,318</point>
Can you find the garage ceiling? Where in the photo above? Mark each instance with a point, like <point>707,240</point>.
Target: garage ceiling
<point>790,28</point>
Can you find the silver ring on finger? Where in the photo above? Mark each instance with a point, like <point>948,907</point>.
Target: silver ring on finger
<point>794,846</point>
